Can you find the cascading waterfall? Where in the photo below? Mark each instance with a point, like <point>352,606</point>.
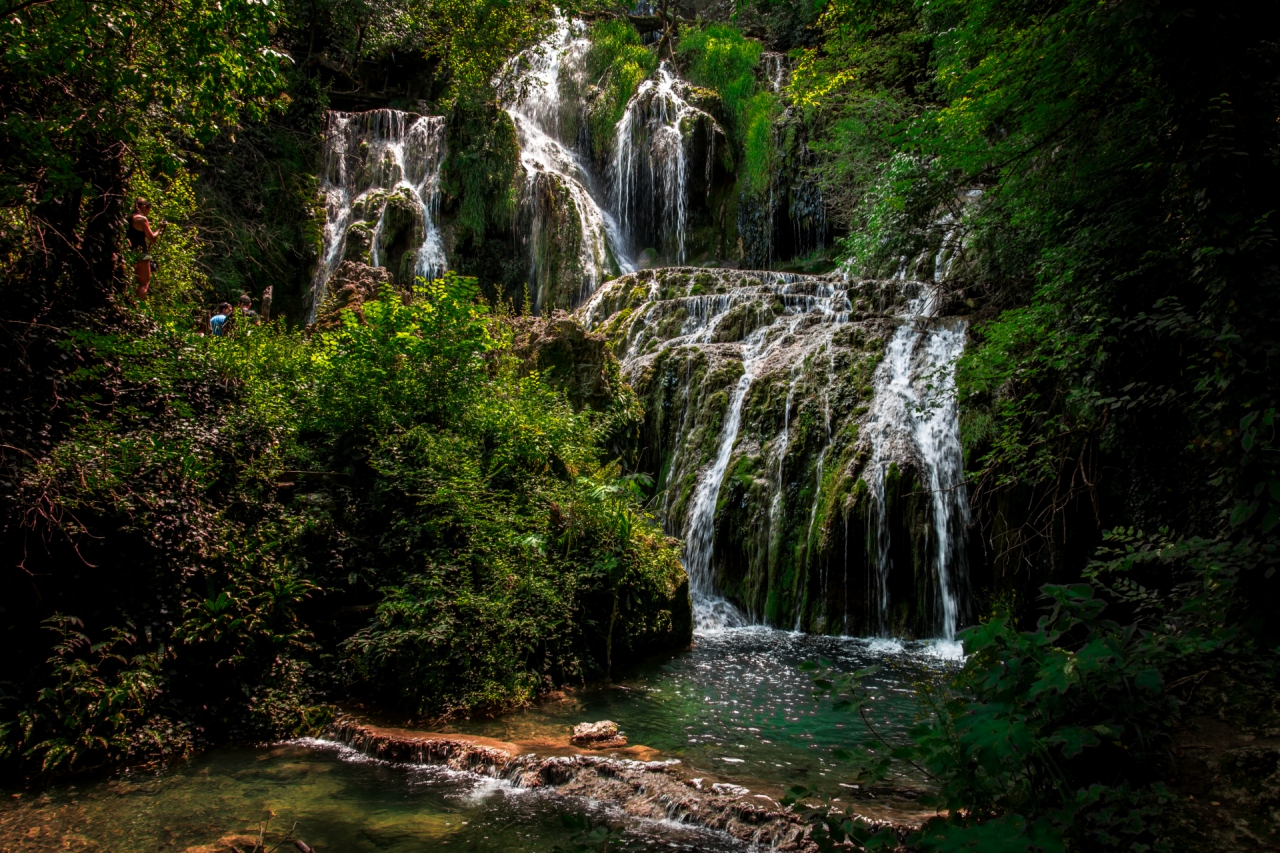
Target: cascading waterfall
<point>774,66</point>
<point>554,171</point>
<point>794,318</point>
<point>711,610</point>
<point>772,396</point>
<point>650,153</point>
<point>763,334</point>
<point>915,417</point>
<point>381,188</point>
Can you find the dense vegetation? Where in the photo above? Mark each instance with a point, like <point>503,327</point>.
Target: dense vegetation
<point>215,538</point>
<point>1107,175</point>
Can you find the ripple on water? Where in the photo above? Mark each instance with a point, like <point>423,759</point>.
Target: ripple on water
<point>341,801</point>
<point>738,706</point>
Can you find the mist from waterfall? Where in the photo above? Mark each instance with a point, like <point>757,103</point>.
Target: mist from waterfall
<point>369,158</point>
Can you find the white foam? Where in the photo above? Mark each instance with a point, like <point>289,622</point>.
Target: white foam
<point>885,645</point>
<point>945,649</point>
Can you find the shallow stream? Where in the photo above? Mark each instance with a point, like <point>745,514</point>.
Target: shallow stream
<point>738,706</point>
<point>735,707</point>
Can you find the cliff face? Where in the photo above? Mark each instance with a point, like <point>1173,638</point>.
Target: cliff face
<point>544,201</point>
<point>760,394</point>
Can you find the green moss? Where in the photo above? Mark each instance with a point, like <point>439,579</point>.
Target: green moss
<point>617,62</point>
<point>479,177</point>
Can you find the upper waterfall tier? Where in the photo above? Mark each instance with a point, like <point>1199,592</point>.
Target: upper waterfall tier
<point>381,188</point>
<point>804,501</point>
<point>653,145</point>
<point>574,242</point>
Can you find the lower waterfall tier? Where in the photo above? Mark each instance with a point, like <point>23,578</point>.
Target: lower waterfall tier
<point>760,391</point>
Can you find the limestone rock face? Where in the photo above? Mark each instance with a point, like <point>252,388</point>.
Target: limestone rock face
<point>568,357</point>
<point>560,262</point>
<point>794,536</point>
<point>601,735</point>
<point>403,230</point>
<point>351,285</point>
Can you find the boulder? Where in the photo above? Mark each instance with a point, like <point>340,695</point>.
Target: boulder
<point>569,358</point>
<point>351,285</point>
<point>601,735</point>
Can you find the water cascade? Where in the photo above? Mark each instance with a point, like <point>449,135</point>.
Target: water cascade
<point>573,241</point>
<point>914,416</point>
<point>381,188</point>
<point>787,414</point>
<point>803,428</point>
<point>651,162</point>
<point>775,70</point>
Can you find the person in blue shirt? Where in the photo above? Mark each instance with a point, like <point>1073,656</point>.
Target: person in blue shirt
<point>218,322</point>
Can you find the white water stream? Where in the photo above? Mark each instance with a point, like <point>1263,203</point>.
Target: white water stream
<point>530,88</point>
<point>650,141</point>
<point>914,417</point>
<point>368,158</point>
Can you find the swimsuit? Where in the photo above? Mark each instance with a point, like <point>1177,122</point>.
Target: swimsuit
<point>137,245</point>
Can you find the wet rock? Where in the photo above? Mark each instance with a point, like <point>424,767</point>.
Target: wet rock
<point>359,242</point>
<point>568,357</point>
<point>653,790</point>
<point>601,735</point>
<point>795,522</point>
<point>403,230</point>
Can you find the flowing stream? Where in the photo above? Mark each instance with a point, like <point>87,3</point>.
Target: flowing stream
<point>734,709</point>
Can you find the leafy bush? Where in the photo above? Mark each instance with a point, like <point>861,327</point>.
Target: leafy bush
<point>95,706</point>
<point>617,62</point>
<point>720,57</point>
<point>1057,738</point>
<point>241,498</point>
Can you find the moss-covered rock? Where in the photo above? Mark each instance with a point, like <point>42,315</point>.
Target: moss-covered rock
<point>796,521</point>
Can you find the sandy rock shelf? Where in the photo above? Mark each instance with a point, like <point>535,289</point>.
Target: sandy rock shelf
<point>630,779</point>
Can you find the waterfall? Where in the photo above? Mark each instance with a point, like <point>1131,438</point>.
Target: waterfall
<point>792,319</point>
<point>711,610</point>
<point>915,417</point>
<point>381,188</point>
<point>651,162</point>
<point>775,70</point>
<point>770,397</point>
<point>556,174</point>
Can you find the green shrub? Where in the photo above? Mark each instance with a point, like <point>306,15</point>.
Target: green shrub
<point>720,57</point>
<point>618,63</point>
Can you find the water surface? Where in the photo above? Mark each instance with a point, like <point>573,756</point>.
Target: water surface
<point>735,707</point>
<point>738,705</point>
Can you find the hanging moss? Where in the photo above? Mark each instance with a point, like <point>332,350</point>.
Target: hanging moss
<point>480,172</point>
<point>616,64</point>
